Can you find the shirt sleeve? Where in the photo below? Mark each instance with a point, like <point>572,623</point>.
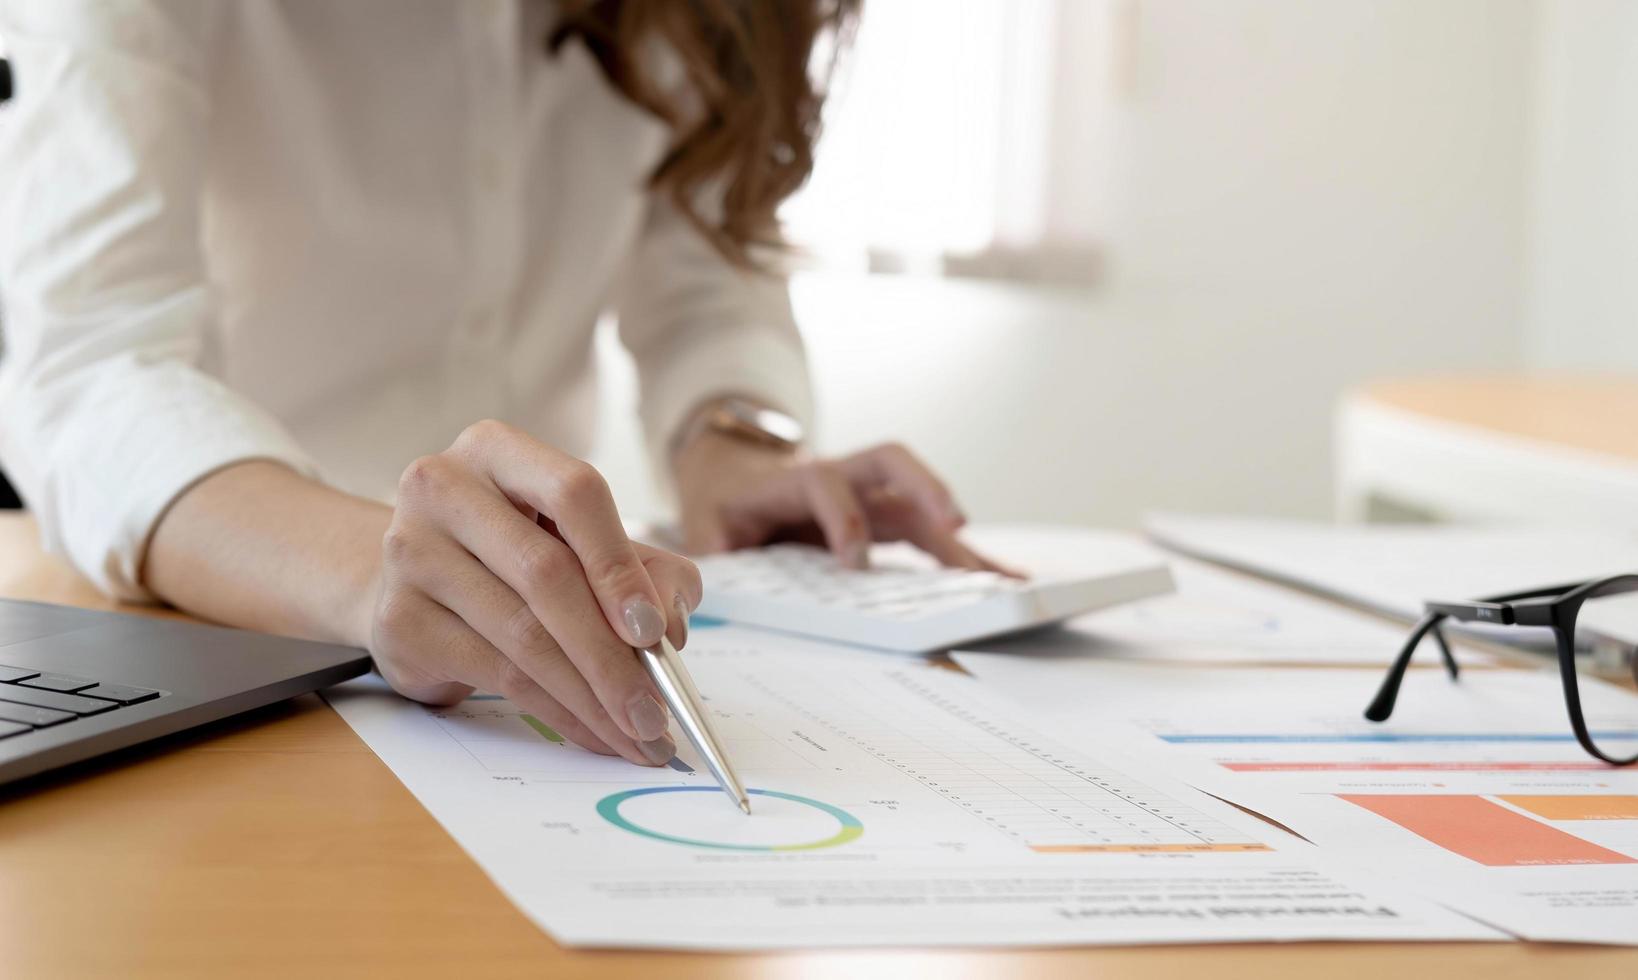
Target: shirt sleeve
<point>106,414</point>
<point>699,328</point>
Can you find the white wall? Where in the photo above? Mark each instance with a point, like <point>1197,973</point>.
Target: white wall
<point>1583,298</point>
<point>1302,195</point>
<point>1363,153</point>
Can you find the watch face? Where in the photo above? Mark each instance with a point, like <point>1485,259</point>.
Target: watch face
<point>750,421</point>
<point>776,424</point>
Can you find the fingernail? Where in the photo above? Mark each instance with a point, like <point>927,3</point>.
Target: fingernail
<point>647,717</point>
<point>858,555</point>
<point>644,622</point>
<point>659,750</point>
<point>682,618</point>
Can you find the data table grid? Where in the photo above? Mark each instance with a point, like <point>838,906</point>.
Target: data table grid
<point>1011,779</point>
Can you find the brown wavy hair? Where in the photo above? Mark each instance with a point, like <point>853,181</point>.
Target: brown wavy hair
<point>746,122</point>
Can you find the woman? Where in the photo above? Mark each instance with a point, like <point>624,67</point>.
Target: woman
<point>267,265</point>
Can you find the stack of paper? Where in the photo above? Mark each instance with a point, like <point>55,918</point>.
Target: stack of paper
<point>1070,792</point>
<point>893,803</point>
<point>1475,793</point>
<point>1393,569</point>
<point>1214,616</point>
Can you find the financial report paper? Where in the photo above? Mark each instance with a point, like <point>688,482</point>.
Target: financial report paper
<point>894,804</point>
<point>1474,792</point>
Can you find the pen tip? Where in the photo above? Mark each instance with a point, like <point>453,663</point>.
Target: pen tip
<point>745,805</point>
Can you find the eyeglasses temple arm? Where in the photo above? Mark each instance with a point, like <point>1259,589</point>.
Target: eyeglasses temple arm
<point>1444,652</point>
<point>1474,612</point>
<point>1381,706</point>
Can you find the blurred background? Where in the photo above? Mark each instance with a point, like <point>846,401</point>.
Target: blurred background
<point>1097,257</point>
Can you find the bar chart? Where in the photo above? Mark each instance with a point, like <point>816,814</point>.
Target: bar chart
<point>1490,833</point>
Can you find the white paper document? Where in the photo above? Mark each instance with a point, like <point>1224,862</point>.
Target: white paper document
<point>1474,792</point>
<point>1395,568</point>
<point>894,804</point>
<point>1221,617</point>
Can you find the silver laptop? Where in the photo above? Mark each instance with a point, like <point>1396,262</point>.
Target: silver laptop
<point>76,683</point>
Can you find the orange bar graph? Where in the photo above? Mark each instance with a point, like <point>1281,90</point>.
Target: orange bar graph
<point>1487,832</point>
<point>1577,807</point>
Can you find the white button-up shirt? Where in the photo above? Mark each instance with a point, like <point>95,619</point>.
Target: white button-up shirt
<point>333,234</point>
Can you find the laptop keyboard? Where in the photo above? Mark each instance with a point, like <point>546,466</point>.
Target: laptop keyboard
<point>31,699</point>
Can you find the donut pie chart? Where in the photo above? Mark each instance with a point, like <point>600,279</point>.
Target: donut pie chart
<point>848,827</point>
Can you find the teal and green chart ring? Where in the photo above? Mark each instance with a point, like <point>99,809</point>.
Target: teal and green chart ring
<point>851,829</point>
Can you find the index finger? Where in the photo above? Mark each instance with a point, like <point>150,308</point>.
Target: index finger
<point>575,497</point>
<point>905,519</point>
<point>838,512</point>
<point>897,468</point>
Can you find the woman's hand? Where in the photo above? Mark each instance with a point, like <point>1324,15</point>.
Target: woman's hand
<point>738,495</point>
<point>506,568</point>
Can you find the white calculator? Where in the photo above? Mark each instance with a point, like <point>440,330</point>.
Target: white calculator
<point>904,602</point>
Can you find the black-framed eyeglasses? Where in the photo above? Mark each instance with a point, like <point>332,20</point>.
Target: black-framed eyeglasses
<point>1556,608</point>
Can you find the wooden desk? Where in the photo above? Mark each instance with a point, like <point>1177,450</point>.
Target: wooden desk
<point>275,844</point>
<point>1554,448</point>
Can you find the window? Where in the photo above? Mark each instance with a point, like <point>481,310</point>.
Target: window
<point>949,125</point>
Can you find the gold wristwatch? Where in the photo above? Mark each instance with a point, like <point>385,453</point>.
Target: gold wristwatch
<point>745,420</point>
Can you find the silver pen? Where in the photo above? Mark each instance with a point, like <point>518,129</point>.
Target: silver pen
<point>683,698</point>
